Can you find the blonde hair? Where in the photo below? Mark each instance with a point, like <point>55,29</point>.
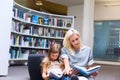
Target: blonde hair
<point>66,41</point>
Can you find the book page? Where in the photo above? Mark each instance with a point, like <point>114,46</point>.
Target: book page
<point>84,71</point>
<point>56,73</point>
<point>94,68</point>
<point>80,68</point>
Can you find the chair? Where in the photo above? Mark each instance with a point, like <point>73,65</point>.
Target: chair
<point>34,67</point>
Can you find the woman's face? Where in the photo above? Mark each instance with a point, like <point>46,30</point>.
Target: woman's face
<point>54,56</point>
<point>75,41</point>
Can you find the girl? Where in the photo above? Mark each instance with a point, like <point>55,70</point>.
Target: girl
<point>52,63</point>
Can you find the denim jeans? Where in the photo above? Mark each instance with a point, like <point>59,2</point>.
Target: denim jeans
<point>62,78</point>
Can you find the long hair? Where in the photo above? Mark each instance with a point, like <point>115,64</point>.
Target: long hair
<point>66,41</point>
<point>55,48</point>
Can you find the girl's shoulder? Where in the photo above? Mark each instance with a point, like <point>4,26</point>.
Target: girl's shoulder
<point>60,59</point>
<point>45,60</point>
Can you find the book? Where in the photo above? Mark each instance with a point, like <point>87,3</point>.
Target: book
<point>35,19</point>
<point>55,73</point>
<point>86,72</point>
<point>46,20</point>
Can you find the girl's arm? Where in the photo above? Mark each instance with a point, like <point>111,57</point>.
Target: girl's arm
<point>44,72</point>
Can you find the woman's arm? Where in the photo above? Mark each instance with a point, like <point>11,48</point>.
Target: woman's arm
<point>68,70</point>
<point>67,66</point>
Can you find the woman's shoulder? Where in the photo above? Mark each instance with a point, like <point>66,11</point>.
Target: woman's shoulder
<point>63,48</point>
<point>85,47</point>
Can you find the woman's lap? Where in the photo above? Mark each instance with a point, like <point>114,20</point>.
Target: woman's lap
<point>85,78</point>
<point>79,77</point>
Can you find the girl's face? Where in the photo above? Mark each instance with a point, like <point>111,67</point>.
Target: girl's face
<point>54,56</point>
<point>75,41</point>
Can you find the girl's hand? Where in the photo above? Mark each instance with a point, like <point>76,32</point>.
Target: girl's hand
<point>46,77</point>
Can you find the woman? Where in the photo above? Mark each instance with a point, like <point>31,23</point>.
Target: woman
<point>74,52</point>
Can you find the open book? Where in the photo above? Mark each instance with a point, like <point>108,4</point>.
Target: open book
<point>86,72</point>
<point>55,73</point>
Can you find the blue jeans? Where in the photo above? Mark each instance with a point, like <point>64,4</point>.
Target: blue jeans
<point>62,78</point>
<point>65,78</point>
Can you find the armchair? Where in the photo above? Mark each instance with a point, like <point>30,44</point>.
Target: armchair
<point>34,67</point>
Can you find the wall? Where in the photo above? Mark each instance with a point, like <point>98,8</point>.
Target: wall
<point>106,51</point>
<point>100,13</point>
<point>106,13</point>
<point>77,11</point>
<point>5,27</point>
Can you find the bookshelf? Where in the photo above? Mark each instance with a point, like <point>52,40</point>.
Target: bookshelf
<point>33,31</point>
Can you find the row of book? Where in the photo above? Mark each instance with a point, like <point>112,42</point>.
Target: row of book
<point>38,31</point>
<point>31,41</point>
<point>41,19</point>
<point>17,53</point>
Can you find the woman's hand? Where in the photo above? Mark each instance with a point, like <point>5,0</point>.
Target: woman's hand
<point>67,71</point>
<point>70,71</point>
<point>95,73</point>
<point>74,72</point>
